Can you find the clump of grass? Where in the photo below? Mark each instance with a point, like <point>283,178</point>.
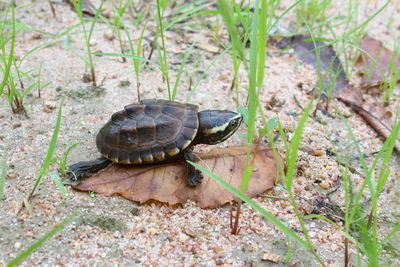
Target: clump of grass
<point>14,81</point>
<point>88,36</point>
<point>117,22</point>
<point>7,58</point>
<point>313,11</point>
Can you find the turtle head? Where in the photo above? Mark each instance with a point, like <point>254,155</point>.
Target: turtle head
<point>215,126</point>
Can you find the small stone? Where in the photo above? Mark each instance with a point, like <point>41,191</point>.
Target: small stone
<point>109,35</point>
<point>325,185</point>
<point>152,231</point>
<point>98,52</point>
<point>36,36</point>
<point>183,238</point>
<point>268,256</point>
<point>18,245</point>
<point>218,250</point>
<point>318,153</point>
<point>223,77</point>
<point>87,78</point>
<point>93,42</point>
<point>135,211</point>
<point>124,83</point>
<point>48,106</point>
<point>190,233</point>
<point>11,174</point>
<point>17,125</point>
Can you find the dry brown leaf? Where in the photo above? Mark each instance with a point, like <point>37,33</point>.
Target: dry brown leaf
<point>374,62</point>
<point>167,182</point>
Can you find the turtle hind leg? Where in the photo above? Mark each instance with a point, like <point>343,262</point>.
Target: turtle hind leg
<point>194,176</point>
<point>84,169</point>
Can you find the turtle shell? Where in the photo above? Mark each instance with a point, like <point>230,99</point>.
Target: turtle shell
<point>148,132</point>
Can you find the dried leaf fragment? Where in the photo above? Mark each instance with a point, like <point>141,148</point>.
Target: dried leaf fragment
<point>167,182</point>
<point>374,62</point>
<point>268,256</point>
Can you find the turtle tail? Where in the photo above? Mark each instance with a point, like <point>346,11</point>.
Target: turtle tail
<point>84,169</point>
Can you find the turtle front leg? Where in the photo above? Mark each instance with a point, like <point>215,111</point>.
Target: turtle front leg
<point>194,176</point>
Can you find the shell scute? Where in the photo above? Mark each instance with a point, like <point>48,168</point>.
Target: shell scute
<point>135,111</point>
<point>166,126</point>
<point>145,131</point>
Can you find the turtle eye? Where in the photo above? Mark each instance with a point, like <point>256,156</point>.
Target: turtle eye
<point>232,124</point>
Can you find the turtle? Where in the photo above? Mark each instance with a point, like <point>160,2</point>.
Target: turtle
<point>155,131</point>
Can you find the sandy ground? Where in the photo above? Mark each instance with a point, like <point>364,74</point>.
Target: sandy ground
<point>114,231</point>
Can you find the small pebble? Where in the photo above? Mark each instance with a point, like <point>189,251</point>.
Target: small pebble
<point>109,35</point>
<point>318,153</point>
<point>36,36</point>
<point>93,42</point>
<point>17,245</point>
<point>87,78</point>
<point>190,233</point>
<point>219,250</point>
<point>124,83</point>
<point>183,238</point>
<point>152,231</point>
<point>48,106</point>
<point>135,211</point>
<point>325,185</point>
<point>268,256</point>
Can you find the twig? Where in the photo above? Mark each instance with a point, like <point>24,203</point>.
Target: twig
<point>298,103</point>
<point>53,10</point>
<point>375,123</point>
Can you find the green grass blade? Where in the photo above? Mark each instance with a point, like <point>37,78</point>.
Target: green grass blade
<point>164,50</point>
<point>204,73</point>
<point>11,54</point>
<point>185,15</point>
<point>50,151</point>
<point>180,71</point>
<point>40,242</point>
<point>139,50</point>
<point>252,95</point>
<point>226,12</point>
<point>262,43</point>
<point>294,147</point>
<point>254,205</point>
<point>53,142</point>
<point>128,56</point>
<point>59,184</point>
